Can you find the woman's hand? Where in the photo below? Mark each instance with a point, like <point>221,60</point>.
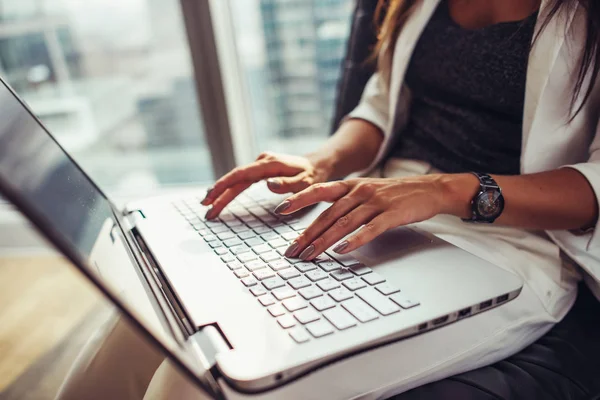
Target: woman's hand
<point>378,204</point>
<point>284,174</point>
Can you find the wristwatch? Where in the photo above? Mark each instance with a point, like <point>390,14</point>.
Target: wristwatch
<point>488,203</point>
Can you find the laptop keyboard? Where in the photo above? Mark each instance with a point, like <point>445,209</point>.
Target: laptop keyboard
<point>309,299</point>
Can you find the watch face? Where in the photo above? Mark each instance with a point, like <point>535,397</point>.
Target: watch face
<point>490,204</point>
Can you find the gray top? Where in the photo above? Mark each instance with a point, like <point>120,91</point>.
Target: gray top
<point>468,90</point>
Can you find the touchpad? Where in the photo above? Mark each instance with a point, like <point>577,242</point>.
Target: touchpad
<point>393,242</point>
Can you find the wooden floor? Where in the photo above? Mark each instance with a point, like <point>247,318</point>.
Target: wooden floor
<point>43,301</point>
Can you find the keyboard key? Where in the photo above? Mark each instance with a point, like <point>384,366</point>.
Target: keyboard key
<point>291,260</point>
<point>340,318</point>
<point>283,229</point>
<point>323,257</point>
<point>289,273</point>
<point>283,293</point>
<point>235,265</point>
<point>275,243</point>
<point>253,242</point>
<point>294,304</point>
<point>226,235</point>
<point>299,282</point>
<point>328,284</point>
<point>329,266</point>
<point>246,235</point>
<point>299,226</point>
<point>262,248</point>
<point>378,301</point>
<point>256,224</point>
<point>261,229</point>
<point>241,273</point>
<point>263,274</point>
<point>249,281</point>
<point>276,310</point>
<point>234,223</point>
<point>255,265</point>
<point>354,284</point>
<point>239,249</point>
<point>386,288</point>
<point>210,238</point>
<point>228,258</point>
<point>404,301</point>
<point>221,251</point>
<point>273,283</point>
<point>203,232</point>
<point>234,241</point>
<point>341,274</point>
<point>281,250</point>
<point>310,292</point>
<point>258,291</point>
<point>299,334</point>
<point>289,236</point>
<point>226,217</point>
<point>322,303</point>
<point>360,310</point>
<point>373,278</point>
<point>360,269</point>
<point>305,266</point>
<point>246,257</point>
<point>286,321</point>
<point>279,264</point>
<point>270,256</point>
<point>242,229</point>
<point>269,236</point>
<point>320,328</point>
<point>267,300</point>
<point>219,229</point>
<point>215,244</point>
<point>316,275</point>
<point>306,315</point>
<point>340,294</point>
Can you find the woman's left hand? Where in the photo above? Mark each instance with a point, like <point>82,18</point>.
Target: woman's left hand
<point>377,203</point>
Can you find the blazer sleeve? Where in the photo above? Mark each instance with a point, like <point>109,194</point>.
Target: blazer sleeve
<point>591,171</point>
<point>374,103</point>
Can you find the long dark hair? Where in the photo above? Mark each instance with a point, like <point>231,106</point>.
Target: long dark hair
<point>391,15</point>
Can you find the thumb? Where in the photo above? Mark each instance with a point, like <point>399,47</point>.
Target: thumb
<point>293,184</point>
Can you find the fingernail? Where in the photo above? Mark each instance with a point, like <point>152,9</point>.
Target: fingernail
<point>209,214</point>
<point>291,250</point>
<point>208,191</point>
<point>282,207</point>
<point>307,252</point>
<point>274,183</point>
<point>341,247</point>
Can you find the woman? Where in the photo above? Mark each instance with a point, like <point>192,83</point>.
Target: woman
<point>460,88</point>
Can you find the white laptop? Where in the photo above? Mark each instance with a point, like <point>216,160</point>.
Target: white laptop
<point>219,297</point>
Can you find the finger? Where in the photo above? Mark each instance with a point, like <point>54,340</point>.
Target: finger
<point>222,201</point>
<point>314,194</point>
<point>323,222</point>
<point>254,172</point>
<point>368,232</point>
<point>293,184</point>
<point>341,227</point>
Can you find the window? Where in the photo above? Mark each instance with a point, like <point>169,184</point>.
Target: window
<point>290,53</point>
<point>113,81</point>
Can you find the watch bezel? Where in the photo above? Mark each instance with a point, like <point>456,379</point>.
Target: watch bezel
<point>479,197</point>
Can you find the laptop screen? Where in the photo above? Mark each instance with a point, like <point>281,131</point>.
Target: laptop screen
<point>38,175</point>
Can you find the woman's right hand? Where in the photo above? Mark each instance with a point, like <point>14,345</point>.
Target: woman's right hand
<point>284,174</point>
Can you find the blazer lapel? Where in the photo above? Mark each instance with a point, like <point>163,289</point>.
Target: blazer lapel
<point>404,47</point>
<point>542,58</point>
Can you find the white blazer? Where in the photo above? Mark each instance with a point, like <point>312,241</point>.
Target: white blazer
<point>549,140</point>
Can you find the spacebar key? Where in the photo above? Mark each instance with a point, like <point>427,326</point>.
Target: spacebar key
<point>360,310</point>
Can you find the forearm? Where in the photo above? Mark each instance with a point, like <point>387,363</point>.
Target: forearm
<point>352,148</point>
<point>558,199</point>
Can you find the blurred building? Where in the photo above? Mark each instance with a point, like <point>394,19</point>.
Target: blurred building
<point>305,42</point>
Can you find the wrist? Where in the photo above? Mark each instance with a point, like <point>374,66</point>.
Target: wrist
<point>458,191</point>
<point>324,164</point>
